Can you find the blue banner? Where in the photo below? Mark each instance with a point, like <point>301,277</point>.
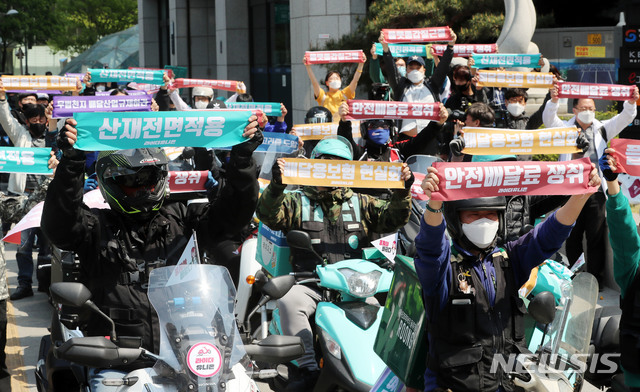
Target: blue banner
<point>495,60</point>
<point>280,143</point>
<point>25,160</point>
<point>404,50</point>
<point>126,75</point>
<point>269,108</point>
<point>119,131</point>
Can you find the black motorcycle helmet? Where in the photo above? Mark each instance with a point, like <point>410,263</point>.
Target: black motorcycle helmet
<point>372,124</point>
<point>133,181</point>
<point>452,216</point>
<point>318,114</point>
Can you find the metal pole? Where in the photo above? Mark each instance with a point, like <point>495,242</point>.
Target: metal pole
<point>26,55</point>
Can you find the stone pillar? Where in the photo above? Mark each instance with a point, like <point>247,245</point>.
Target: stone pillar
<point>148,33</point>
<point>232,41</point>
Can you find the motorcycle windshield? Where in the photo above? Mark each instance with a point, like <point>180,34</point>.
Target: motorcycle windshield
<point>199,342</point>
<point>418,165</point>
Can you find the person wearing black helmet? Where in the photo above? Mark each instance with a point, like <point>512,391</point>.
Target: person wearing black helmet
<point>117,247</point>
<point>470,286</point>
<point>317,115</point>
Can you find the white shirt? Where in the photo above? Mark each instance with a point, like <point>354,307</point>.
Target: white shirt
<point>416,93</point>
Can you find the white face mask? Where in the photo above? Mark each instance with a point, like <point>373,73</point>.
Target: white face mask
<point>481,232</point>
<point>101,87</point>
<point>335,84</point>
<point>586,116</point>
<point>201,104</point>
<point>415,76</point>
<point>515,109</point>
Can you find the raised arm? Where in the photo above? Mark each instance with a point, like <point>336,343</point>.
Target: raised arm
<point>356,77</point>
<point>312,78</point>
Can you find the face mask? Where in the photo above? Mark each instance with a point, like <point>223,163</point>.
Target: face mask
<point>515,109</point>
<point>415,76</point>
<point>335,84</point>
<point>481,232</point>
<point>378,136</point>
<point>37,130</point>
<point>586,116</point>
<point>201,104</point>
<point>460,87</point>
<point>402,71</point>
<point>101,87</point>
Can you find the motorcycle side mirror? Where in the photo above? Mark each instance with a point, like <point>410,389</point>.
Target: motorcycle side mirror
<point>70,293</point>
<point>277,287</point>
<point>299,239</point>
<point>543,307</point>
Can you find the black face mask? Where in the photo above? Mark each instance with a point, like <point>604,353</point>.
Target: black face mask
<point>460,88</point>
<point>37,130</point>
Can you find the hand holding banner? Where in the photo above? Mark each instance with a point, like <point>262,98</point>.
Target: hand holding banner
<point>228,85</point>
<point>627,156</point>
<point>330,173</point>
<point>127,75</point>
<point>64,106</point>
<point>365,110</point>
<point>319,131</point>
<point>495,141</point>
<point>334,56</point>
<point>429,34</point>
<point>515,79</point>
<point>39,83</point>
<point>615,92</point>
<point>464,180</point>
<point>506,60</point>
<point>32,160</point>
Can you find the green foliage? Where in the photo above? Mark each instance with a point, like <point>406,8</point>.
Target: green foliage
<point>80,24</point>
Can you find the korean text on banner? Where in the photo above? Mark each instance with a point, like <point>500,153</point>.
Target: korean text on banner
<point>64,106</point>
<point>495,60</point>
<point>627,155</point>
<point>268,108</point>
<point>494,141</point>
<point>459,50</point>
<point>364,110</point>
<point>126,75</point>
<point>464,180</point>
<point>334,56</point>
<point>279,143</point>
<point>331,173</point>
<point>187,181</point>
<point>118,131</point>
<point>615,92</point>
<point>515,79</point>
<point>227,85</point>
<point>429,34</point>
<point>39,83</point>
<point>24,160</point>
<point>319,131</point>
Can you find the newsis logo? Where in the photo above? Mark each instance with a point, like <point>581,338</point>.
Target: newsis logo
<point>522,363</point>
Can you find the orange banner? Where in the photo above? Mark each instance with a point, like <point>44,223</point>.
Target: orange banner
<point>515,79</point>
<point>39,83</point>
<point>333,173</point>
<point>319,131</point>
<point>497,141</point>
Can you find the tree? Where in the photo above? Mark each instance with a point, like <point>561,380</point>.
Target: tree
<point>80,24</point>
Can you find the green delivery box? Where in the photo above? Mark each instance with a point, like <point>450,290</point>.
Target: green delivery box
<point>273,251</point>
<point>402,341</point>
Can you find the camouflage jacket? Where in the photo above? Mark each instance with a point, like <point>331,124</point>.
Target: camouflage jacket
<point>283,211</point>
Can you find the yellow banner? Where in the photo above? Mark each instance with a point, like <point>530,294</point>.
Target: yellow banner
<point>591,51</point>
<point>321,130</point>
<point>515,79</point>
<point>39,83</point>
<point>335,173</point>
<point>498,141</point>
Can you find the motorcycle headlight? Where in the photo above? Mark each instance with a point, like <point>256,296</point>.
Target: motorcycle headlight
<point>361,285</point>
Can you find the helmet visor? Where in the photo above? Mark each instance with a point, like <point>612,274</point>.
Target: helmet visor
<point>144,177</point>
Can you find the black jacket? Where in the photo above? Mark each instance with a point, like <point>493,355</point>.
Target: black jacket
<point>113,248</point>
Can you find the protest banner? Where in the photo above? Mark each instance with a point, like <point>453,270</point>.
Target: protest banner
<point>428,34</point>
<point>365,110</point>
<point>187,181</point>
<point>146,87</point>
<point>65,106</point>
<point>228,85</point>
<point>330,173</point>
<point>49,92</point>
<point>498,141</point>
<point>118,131</point>
<point>495,60</point>
<point>466,180</point>
<point>515,79</point>
<point>268,108</point>
<point>319,131</point>
<point>31,160</point>
<point>129,92</point>
<point>334,56</point>
<point>627,155</point>
<point>168,71</point>
<point>39,83</point>
<point>127,75</point>
<point>416,188</point>
<point>459,50</point>
<point>466,50</point>
<point>280,143</point>
<point>614,92</point>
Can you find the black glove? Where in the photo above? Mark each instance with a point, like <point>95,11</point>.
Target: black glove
<point>456,146</point>
<point>62,142</point>
<point>248,147</point>
<point>608,174</point>
<point>409,182</point>
<point>276,174</point>
<point>582,142</point>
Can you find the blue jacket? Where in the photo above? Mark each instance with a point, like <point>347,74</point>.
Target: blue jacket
<point>433,264</point>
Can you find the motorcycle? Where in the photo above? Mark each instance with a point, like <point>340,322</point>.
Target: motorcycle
<point>200,346</point>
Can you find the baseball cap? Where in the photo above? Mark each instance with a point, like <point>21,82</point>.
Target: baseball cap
<point>416,59</point>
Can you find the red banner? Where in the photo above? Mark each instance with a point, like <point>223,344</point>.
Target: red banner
<point>627,156</point>
<point>334,56</point>
<point>416,188</point>
<point>364,110</point>
<point>466,50</point>
<point>429,34</point>
<point>615,92</point>
<point>187,181</point>
<point>465,180</point>
<point>228,85</point>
